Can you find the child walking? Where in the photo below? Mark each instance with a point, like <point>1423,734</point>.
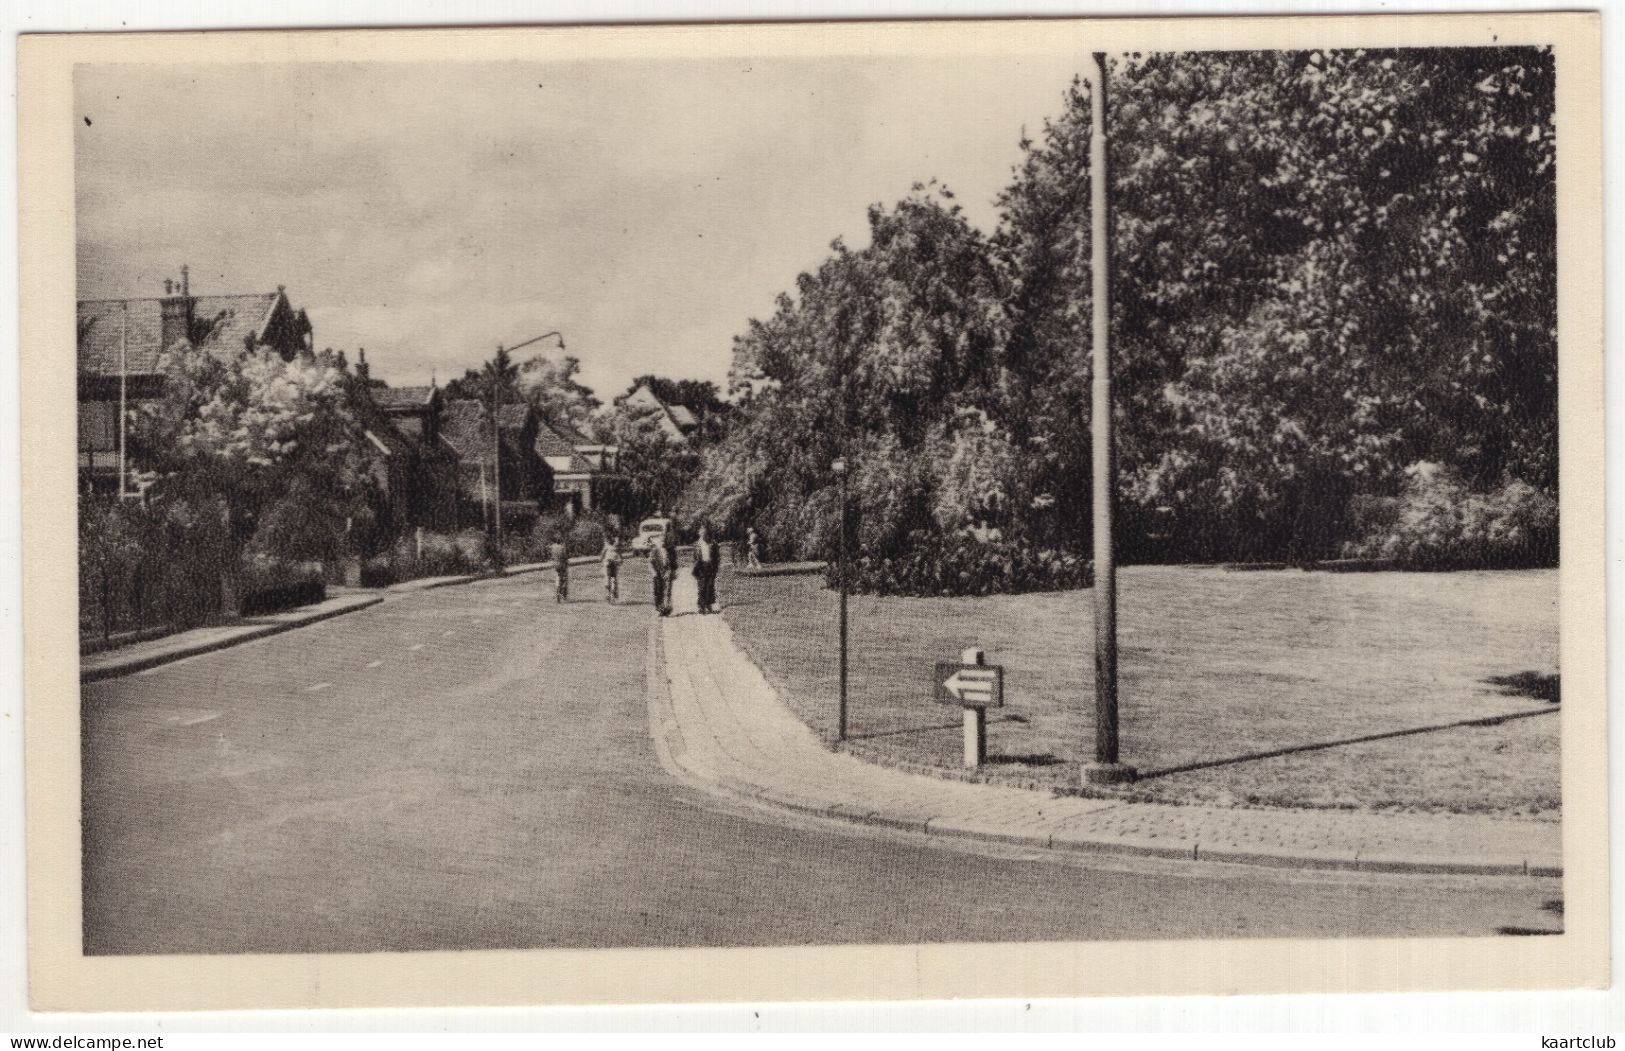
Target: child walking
<point>611,559</point>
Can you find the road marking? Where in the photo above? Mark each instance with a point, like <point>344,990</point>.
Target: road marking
<point>375,664</point>
<point>318,686</point>
<point>416,647</point>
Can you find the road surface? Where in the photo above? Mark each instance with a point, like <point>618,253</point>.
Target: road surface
<point>471,768</point>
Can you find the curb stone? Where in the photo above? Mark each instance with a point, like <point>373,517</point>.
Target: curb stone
<point>114,669</point>
<point>673,754</point>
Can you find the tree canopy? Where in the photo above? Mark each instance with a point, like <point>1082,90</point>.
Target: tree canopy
<point>1331,267</point>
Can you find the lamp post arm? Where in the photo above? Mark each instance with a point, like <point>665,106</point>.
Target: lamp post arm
<point>538,339</point>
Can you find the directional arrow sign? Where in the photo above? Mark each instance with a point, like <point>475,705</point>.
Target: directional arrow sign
<point>969,685</point>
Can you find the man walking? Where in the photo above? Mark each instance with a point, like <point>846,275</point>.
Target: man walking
<point>660,577</point>
<point>707,560</point>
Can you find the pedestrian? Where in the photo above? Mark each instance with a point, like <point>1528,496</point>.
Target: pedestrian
<point>559,556</point>
<point>611,559</point>
<point>669,541</point>
<point>707,560</point>
<point>660,577</point>
<point>753,549</point>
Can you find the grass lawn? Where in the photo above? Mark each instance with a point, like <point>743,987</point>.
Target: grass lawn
<point>1213,665</point>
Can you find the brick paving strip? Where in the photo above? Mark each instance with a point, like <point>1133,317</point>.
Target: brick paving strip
<point>718,722</point>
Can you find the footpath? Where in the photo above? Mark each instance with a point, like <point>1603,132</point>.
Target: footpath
<point>718,723</point>
<point>140,656</point>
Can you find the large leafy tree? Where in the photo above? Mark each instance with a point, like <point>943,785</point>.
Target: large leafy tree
<point>559,396</point>
<point>1331,265</point>
<point>884,356</point>
<point>269,449</point>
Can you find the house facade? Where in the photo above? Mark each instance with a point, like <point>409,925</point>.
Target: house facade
<point>120,344</point>
<point>585,473</point>
<point>416,472</point>
<point>486,462</point>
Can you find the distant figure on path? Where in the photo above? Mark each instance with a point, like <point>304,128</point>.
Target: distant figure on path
<point>660,576</point>
<point>560,557</point>
<point>707,560</point>
<point>753,549</point>
<point>670,541</point>
<point>611,558</point>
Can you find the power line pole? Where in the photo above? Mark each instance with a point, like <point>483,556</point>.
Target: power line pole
<point>123,392</point>
<point>1106,768</point>
<point>496,439</point>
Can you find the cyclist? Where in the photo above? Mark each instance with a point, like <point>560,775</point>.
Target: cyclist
<point>611,558</point>
<point>560,558</point>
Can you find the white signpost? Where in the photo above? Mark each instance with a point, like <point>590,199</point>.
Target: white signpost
<point>976,686</point>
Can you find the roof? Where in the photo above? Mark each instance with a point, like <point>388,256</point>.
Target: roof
<point>557,445</point>
<point>675,420</point>
<point>402,399</point>
<point>464,427</point>
<point>103,324</point>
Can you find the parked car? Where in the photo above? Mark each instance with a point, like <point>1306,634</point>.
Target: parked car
<point>651,531</point>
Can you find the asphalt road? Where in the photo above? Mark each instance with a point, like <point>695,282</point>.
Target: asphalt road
<point>471,768</point>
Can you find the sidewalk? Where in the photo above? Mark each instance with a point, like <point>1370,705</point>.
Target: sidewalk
<point>716,720</point>
<point>142,655</point>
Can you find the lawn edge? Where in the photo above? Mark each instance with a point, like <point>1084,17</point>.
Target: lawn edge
<point>670,749</point>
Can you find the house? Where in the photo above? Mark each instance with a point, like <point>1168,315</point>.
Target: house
<point>676,422</point>
<point>120,342</point>
<point>525,479</point>
<point>417,473</point>
<point>585,475</point>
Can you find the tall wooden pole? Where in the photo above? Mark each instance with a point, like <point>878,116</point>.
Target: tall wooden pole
<point>1106,767</point>
<point>496,443</point>
<point>123,393</point>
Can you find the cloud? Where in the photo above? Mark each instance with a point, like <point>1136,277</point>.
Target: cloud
<point>431,211</point>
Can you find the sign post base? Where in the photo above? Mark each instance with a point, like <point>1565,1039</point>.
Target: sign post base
<point>975,737</point>
<point>1108,773</point>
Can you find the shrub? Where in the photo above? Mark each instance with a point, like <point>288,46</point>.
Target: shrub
<point>587,538</point>
<point>958,563</point>
<point>270,585</point>
<point>1439,522</point>
<point>441,556</point>
<point>378,572</point>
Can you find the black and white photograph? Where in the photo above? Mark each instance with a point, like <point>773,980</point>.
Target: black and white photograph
<point>712,497</point>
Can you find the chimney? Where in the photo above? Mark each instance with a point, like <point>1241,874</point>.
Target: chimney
<point>173,310</point>
<point>361,369</point>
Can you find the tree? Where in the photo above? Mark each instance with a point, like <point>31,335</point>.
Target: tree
<point>884,356</point>
<point>559,397</point>
<point>655,465</point>
<point>1330,265</point>
<point>269,447</point>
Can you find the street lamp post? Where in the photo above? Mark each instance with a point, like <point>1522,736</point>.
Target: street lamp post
<point>496,423</point>
<point>1106,767</point>
<point>839,467</point>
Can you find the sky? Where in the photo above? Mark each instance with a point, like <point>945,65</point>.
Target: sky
<point>428,212</point>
